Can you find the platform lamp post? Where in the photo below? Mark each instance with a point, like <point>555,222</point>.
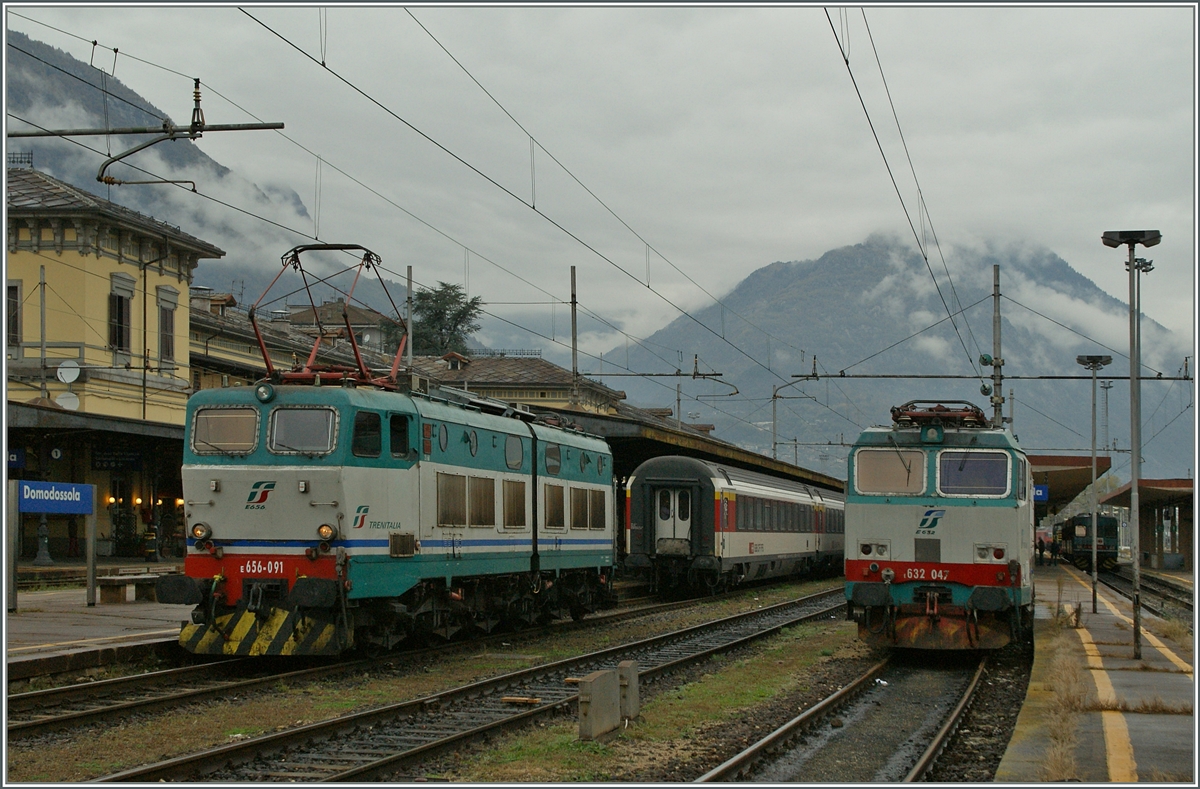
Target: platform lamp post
<point>1131,238</point>
<point>1094,363</point>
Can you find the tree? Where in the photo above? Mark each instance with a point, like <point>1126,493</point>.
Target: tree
<point>443,319</point>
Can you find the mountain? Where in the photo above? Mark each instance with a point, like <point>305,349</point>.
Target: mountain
<point>867,309</point>
<point>53,90</point>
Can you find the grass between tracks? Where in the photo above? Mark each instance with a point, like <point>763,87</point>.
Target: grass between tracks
<point>665,731</point>
<point>121,744</point>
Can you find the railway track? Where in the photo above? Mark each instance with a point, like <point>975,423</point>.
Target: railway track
<point>35,713</point>
<point>384,742</point>
<point>890,724</point>
<point>1162,599</point>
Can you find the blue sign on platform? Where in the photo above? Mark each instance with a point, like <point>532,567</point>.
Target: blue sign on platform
<point>1041,493</point>
<point>16,457</point>
<point>63,498</point>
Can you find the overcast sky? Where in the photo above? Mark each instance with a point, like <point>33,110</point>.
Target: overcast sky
<point>726,138</point>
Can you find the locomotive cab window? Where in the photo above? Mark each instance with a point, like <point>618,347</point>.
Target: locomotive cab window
<point>514,452</point>
<point>306,431</point>
<point>973,473</point>
<point>553,459</point>
<point>398,433</point>
<point>891,470</point>
<point>368,435</point>
<point>224,431</point>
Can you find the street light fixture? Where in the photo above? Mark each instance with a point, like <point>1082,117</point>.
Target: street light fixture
<point>1094,363</point>
<point>1131,238</point>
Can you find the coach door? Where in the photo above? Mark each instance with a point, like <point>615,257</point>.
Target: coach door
<point>673,520</point>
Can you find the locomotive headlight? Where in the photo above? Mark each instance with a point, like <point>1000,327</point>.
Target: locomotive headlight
<point>998,554</point>
<point>866,548</point>
<point>981,551</point>
<point>264,392</point>
<point>326,532</point>
<point>881,550</point>
<point>201,531</point>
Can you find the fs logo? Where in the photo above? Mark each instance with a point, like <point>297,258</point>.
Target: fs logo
<point>929,521</point>
<point>257,500</point>
<point>360,516</point>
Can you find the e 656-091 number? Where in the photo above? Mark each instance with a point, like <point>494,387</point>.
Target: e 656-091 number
<point>257,566</point>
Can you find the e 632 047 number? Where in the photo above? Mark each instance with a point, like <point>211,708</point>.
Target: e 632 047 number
<point>920,574</point>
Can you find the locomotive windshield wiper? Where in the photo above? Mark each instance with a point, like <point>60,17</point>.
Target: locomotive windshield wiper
<point>280,445</point>
<point>907,466</point>
<point>967,454</point>
<point>227,452</point>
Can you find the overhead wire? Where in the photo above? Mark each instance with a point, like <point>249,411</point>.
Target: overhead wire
<point>293,230</point>
<point>912,168</point>
<point>510,193</point>
<point>899,194</point>
<point>100,88</point>
<point>534,141</point>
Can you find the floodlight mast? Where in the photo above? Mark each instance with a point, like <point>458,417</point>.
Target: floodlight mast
<point>1131,238</point>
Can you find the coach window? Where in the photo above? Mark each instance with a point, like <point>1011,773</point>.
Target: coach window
<point>685,505</point>
<point>553,459</point>
<point>224,431</point>
<point>554,507</point>
<point>891,470</point>
<point>514,452</point>
<point>973,473</point>
<point>664,505</point>
<point>368,435</point>
<point>305,431</point>
<point>514,504</point>
<point>398,434</point>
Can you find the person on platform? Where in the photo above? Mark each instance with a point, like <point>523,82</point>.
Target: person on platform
<point>1041,551</point>
<point>1054,552</point>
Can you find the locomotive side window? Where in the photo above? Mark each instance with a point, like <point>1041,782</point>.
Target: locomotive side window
<point>553,458</point>
<point>514,452</point>
<point>1022,491</point>
<point>973,473</point>
<point>302,430</point>
<point>481,504</point>
<point>554,507</point>
<point>596,516</point>
<point>224,431</point>
<point>892,470</point>
<point>452,499</point>
<point>514,504</point>
<point>368,435</point>
<point>579,508</point>
<point>398,429</point>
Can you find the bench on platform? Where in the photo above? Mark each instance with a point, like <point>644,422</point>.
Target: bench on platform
<point>115,588</point>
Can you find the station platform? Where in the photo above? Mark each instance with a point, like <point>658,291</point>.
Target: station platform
<point>1133,720</point>
<point>53,630</point>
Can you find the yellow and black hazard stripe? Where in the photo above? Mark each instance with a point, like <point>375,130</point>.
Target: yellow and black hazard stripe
<point>279,632</point>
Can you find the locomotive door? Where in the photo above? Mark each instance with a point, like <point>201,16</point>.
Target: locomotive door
<point>673,521</point>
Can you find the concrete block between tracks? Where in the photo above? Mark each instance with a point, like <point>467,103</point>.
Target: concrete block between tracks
<point>631,704</point>
<point>599,704</point>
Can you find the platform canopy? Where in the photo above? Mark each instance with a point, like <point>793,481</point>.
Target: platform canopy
<point>1065,476</point>
<point>1154,493</point>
